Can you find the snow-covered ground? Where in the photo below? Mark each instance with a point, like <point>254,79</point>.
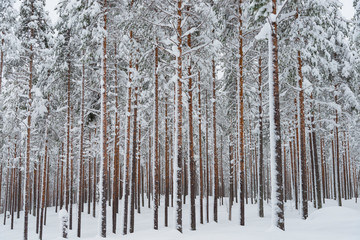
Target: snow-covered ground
<point>331,222</point>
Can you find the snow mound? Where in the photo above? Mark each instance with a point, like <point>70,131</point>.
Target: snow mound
<point>334,213</point>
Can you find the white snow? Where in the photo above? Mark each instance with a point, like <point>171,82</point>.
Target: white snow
<point>329,223</point>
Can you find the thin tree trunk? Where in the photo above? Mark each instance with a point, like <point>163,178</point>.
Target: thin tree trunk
<point>1,61</point>
<point>28,142</point>
<point>115,199</point>
<point>231,175</point>
<point>94,187</point>
<point>191,146</point>
<point>134,163</point>
<point>312,184</point>
<point>81,158</point>
<point>304,204</point>
<point>241,119</point>
<point>71,171</point>
<point>44,182</point>
<point>127,147</point>
<point>316,162</point>
<point>200,155</point>
<point>166,164</point>
<point>178,120</point>
<point>156,143</point>
<point>261,146</point>
<point>67,183</point>
<point>207,157</point>
<point>333,166</point>
<point>216,167</point>
<point>337,154</point>
<point>103,132</point>
<point>138,160</point>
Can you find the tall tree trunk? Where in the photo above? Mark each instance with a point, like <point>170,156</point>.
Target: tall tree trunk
<point>241,119</point>
<point>303,174</point>
<point>167,186</point>
<point>275,127</point>
<point>200,155</point>
<point>138,160</point>
<point>81,158</point>
<point>67,183</point>
<point>312,184</point>
<point>191,146</point>
<point>207,157</point>
<point>134,163</point>
<point>115,197</point>
<point>216,166</point>
<point>44,182</point>
<point>178,120</point>
<point>1,61</point>
<point>231,174</point>
<point>261,146</point>
<point>156,160</point>
<point>127,145</point>
<point>333,166</point>
<point>71,171</point>
<point>316,161</point>
<point>337,154</point>
<point>103,132</point>
<point>28,142</point>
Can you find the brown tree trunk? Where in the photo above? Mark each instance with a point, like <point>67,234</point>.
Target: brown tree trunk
<point>316,161</point>
<point>241,120</point>
<point>166,165</point>
<point>191,146</point>
<point>71,172</point>
<point>333,167</point>
<point>337,154</point>
<point>156,143</point>
<point>44,182</point>
<point>127,148</point>
<point>134,163</point>
<point>302,151</point>
<point>94,187</point>
<point>19,193</point>
<point>81,158</point>
<point>178,120</point>
<point>115,196</point>
<point>275,129</point>
<point>67,176</point>
<point>103,132</point>
<point>231,175</point>
<point>261,147</point>
<point>207,157</point>
<point>28,142</point>
<point>216,166</point>
<point>138,160</point>
<point>312,184</point>
<point>200,155</point>
<point>1,62</point>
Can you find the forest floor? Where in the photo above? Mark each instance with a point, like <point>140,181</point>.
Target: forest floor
<point>330,223</point>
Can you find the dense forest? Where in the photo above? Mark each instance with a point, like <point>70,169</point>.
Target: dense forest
<point>133,104</point>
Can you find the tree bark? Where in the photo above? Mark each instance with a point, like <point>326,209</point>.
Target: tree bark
<point>156,143</point>
<point>178,120</point>
<point>103,130</point>
<point>241,120</point>
<point>275,128</point>
<point>200,155</point>
<point>261,146</point>
<point>191,147</point>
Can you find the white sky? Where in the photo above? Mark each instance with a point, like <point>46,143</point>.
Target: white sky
<point>347,10</point>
